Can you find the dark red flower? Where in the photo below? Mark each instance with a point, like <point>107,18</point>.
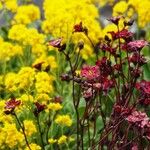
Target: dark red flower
<point>120,110</point>
<point>39,108</point>
<point>104,66</point>
<point>91,73</point>
<point>12,104</point>
<point>136,45</point>
<point>136,58</point>
<point>78,27</point>
<point>143,86</point>
<point>124,34</point>
<point>56,43</point>
<point>105,47</point>
<point>144,100</point>
<point>107,85</point>
<point>139,119</point>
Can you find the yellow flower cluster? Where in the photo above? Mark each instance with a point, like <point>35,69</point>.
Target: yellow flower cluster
<point>33,146</point>
<point>44,82</point>
<point>10,136</point>
<point>8,50</point>
<point>26,14</point>
<point>46,61</point>
<point>29,127</point>
<point>42,97</point>
<point>64,120</point>
<point>62,139</point>
<point>52,141</point>
<point>129,8</point>
<point>54,106</point>
<point>9,5</point>
<point>26,98</point>
<point>61,16</point>
<point>28,36</point>
<point>25,77</point>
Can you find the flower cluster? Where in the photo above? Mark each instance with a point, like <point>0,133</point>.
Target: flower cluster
<point>141,121</point>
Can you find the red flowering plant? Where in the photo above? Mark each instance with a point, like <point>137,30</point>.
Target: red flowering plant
<point>109,99</point>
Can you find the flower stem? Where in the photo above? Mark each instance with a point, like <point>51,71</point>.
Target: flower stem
<point>23,131</point>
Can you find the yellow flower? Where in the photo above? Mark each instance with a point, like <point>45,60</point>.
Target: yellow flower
<point>62,139</point>
<point>9,50</point>
<point>52,141</point>
<point>54,106</point>
<point>120,8</point>
<point>44,82</point>
<point>11,5</point>
<point>26,14</point>
<point>26,77</point>
<point>59,27</point>
<point>64,120</point>
<point>12,135</point>
<point>29,127</point>
<point>28,36</point>
<point>47,61</point>
<point>10,81</point>
<point>26,98</point>
<point>33,146</point>
<point>42,97</point>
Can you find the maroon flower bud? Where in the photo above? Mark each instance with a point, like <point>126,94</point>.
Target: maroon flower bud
<point>107,39</point>
<point>65,77</point>
<point>81,45</point>
<point>128,23</point>
<point>38,66</point>
<point>115,20</point>
<point>39,108</point>
<point>62,47</point>
<point>78,27</point>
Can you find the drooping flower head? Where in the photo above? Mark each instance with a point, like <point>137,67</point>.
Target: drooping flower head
<point>11,105</point>
<point>136,45</point>
<point>56,43</point>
